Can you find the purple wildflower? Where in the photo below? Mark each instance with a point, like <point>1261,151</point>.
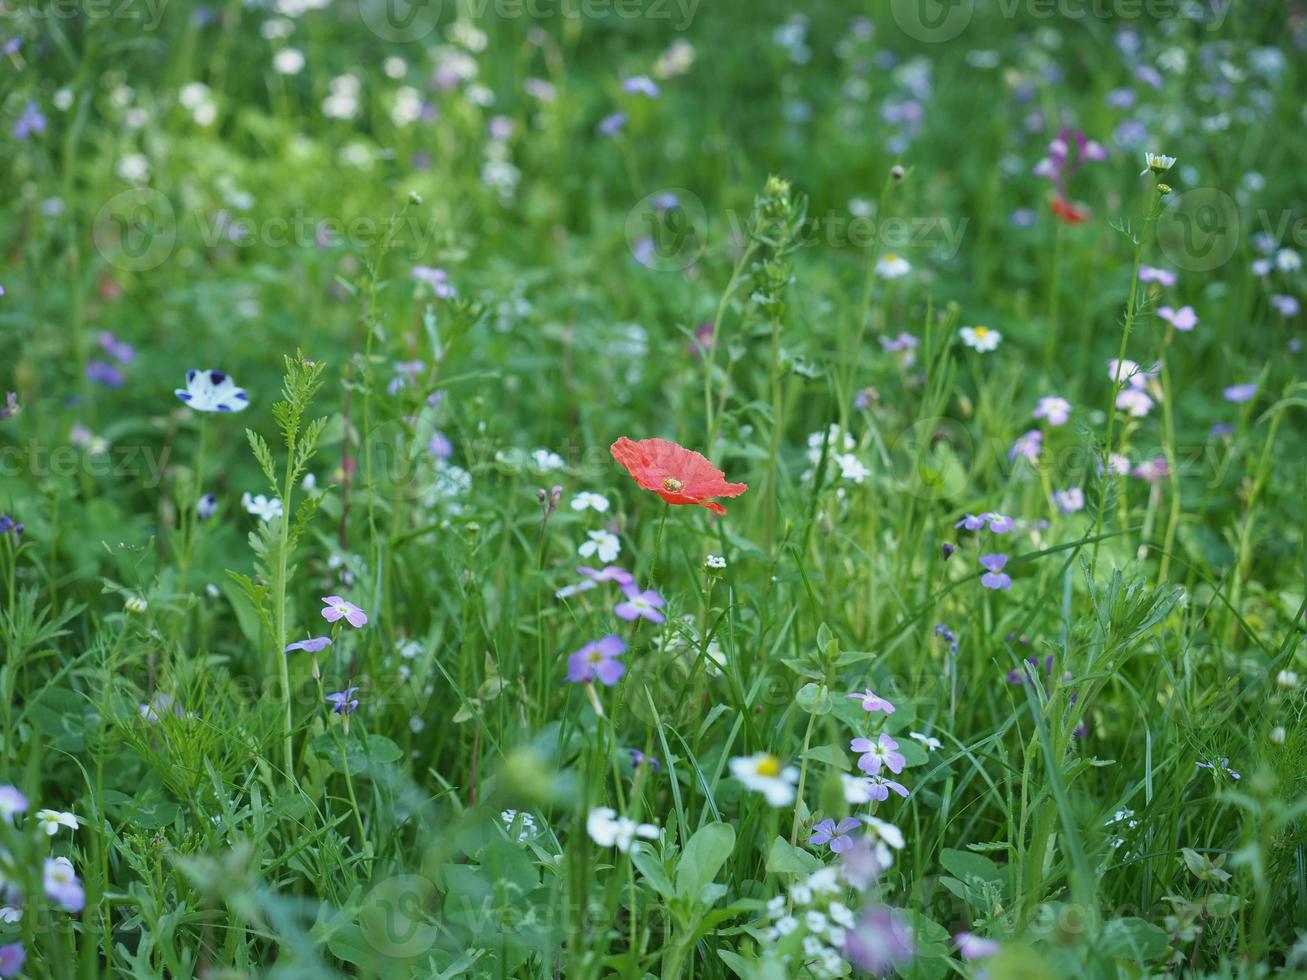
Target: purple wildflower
<point>62,885</point>
<point>640,604</point>
<point>609,573</point>
<point>437,279</point>
<point>1054,409</point>
<point>995,577</point>
<point>1184,319</point>
<point>1162,277</point>
<point>102,372</point>
<point>640,85</point>
<point>871,701</point>
<point>1027,446</point>
<point>12,957</point>
<point>314,644</point>
<point>1070,500</point>
<point>12,802</point>
<point>120,351</point>
<point>639,759</point>
<point>1238,394</point>
<point>1286,306</point>
<point>597,661</point>
<point>31,122</point>
<point>882,752</point>
<point>336,608</point>
<point>971,522</point>
<point>998,523</point>
<point>344,702</point>
<point>973,947</point>
<point>836,835</point>
<point>611,125</point>
<point>879,942</point>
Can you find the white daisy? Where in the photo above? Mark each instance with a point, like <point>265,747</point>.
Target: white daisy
<point>607,829</point>
<point>893,266</point>
<point>212,391</point>
<point>766,774</point>
<point>980,339</point>
<point>1158,163</point>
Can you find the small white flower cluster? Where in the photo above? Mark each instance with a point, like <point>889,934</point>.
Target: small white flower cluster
<point>809,925</point>
<point>714,561</point>
<point>841,453</point>
<point>522,823</point>
<point>1126,817</point>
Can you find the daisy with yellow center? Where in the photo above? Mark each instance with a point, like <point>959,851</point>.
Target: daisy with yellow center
<point>764,773</point>
<point>980,339</point>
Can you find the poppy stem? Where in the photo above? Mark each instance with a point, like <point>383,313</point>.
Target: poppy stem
<point>658,544</point>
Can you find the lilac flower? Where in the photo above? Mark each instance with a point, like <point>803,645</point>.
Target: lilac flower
<point>999,523</point>
<point>1162,277</point>
<point>878,788</point>
<point>1027,446</point>
<point>437,279</point>
<point>836,835</point>
<point>1287,306</point>
<point>1054,409</point>
<point>439,446</point>
<point>640,85</point>
<point>30,122</point>
<point>609,573</point>
<point>971,522</point>
<point>12,802</point>
<point>1221,429</point>
<point>948,636</point>
<point>640,605</point>
<point>639,759</point>
<point>120,351</point>
<point>1020,676</point>
<point>406,373</point>
<point>12,957</point>
<point>1152,469</point>
<point>862,864</point>
<point>1222,766</point>
<point>314,644</point>
<point>975,947</point>
<point>1184,319</point>
<point>1134,401</point>
<point>903,342</point>
<point>882,752</point>
<point>1240,393</point>
<point>62,886</point>
<point>611,125</point>
<point>336,608</point>
<point>344,702</point>
<point>102,372</point>
<point>1070,500</point>
<point>995,577</point>
<point>880,942</point>
<point>8,524</point>
<point>597,661</point>
<point>872,701</point>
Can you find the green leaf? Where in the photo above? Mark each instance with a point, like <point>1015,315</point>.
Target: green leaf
<point>786,859</point>
<point>815,699</point>
<point>832,755</point>
<point>703,857</point>
<point>969,866</point>
<point>1132,939</point>
<point>648,864</point>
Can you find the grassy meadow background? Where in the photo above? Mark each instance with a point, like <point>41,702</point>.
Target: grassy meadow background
<point>878,261</point>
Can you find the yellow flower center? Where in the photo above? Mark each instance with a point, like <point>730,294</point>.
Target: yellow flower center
<point>982,332</point>
<point>891,257</point>
<point>769,766</point>
<point>673,485</point>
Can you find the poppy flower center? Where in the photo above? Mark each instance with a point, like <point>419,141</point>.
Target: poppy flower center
<point>769,766</point>
<point>672,484</point>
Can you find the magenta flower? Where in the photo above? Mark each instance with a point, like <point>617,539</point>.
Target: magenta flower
<point>315,644</point>
<point>597,661</point>
<point>974,947</point>
<point>871,701</point>
<point>1240,393</point>
<point>995,577</point>
<point>836,835</point>
<point>879,942</point>
<point>337,608</point>
<point>640,605</point>
<point>609,573</point>
<point>1184,319</point>
<point>882,752</point>
<point>1162,277</point>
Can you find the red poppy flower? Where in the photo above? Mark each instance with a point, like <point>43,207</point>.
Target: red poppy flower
<point>1072,214</point>
<point>677,474</point>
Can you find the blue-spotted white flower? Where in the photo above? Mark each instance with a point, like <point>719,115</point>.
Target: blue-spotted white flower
<point>212,391</point>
